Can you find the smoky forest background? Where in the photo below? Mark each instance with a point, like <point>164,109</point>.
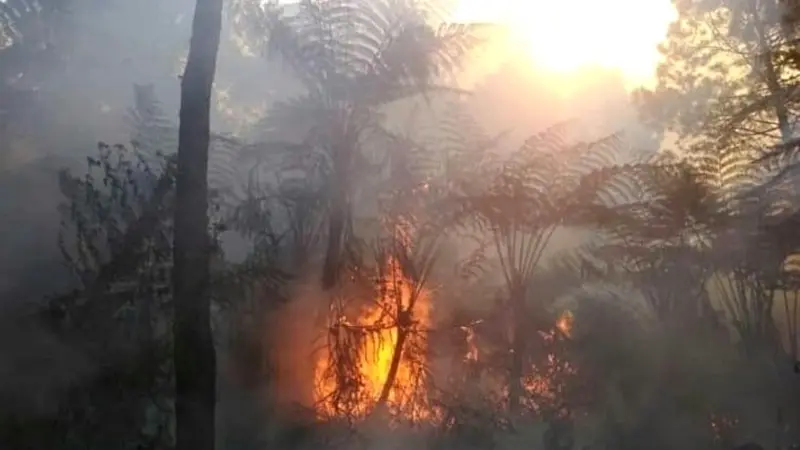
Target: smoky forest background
<point>259,225</point>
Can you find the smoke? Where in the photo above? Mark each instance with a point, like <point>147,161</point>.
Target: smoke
<point>84,97</point>
<point>302,325</point>
<point>36,367</point>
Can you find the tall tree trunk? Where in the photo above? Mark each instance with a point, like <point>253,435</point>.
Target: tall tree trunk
<point>195,358</point>
<point>337,226</point>
<point>515,382</point>
<point>333,253</point>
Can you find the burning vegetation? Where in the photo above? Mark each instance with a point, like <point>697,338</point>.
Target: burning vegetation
<point>686,288</point>
<point>376,356</point>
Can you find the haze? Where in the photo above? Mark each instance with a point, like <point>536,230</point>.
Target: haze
<point>437,224</point>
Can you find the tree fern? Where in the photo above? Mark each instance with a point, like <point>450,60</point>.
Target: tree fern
<point>520,201</point>
<point>353,57</point>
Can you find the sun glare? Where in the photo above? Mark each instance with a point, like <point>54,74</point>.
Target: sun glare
<point>564,36</point>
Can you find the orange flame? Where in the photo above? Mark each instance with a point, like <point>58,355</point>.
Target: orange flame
<point>542,384</point>
<point>380,325</point>
<point>564,323</point>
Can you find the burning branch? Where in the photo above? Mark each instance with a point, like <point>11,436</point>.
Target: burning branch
<point>375,359</point>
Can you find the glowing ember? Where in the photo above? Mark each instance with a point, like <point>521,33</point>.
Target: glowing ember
<point>542,384</point>
<point>472,347</point>
<point>564,323</point>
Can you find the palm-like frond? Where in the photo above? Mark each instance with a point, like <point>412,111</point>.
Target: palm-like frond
<point>459,140</point>
<point>657,243</point>
<point>539,185</point>
<point>521,200</point>
<point>726,169</point>
<point>369,51</point>
<point>352,57</point>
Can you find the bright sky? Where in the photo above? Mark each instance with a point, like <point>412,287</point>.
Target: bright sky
<point>564,36</point>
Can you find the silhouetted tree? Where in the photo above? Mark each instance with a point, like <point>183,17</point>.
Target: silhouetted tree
<point>195,355</point>
<point>722,83</point>
<point>520,202</point>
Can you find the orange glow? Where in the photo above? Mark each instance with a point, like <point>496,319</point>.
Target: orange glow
<point>379,325</point>
<point>564,323</point>
<point>542,384</point>
<point>374,333</point>
<point>565,36</point>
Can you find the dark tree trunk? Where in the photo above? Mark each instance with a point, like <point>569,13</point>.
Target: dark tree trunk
<point>195,358</point>
<point>776,91</point>
<point>333,254</point>
<point>330,271</point>
<point>339,215</point>
<point>515,382</point>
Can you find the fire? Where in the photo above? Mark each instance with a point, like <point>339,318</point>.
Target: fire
<point>564,323</point>
<point>472,346</point>
<point>542,384</point>
<point>394,322</point>
<point>375,357</point>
